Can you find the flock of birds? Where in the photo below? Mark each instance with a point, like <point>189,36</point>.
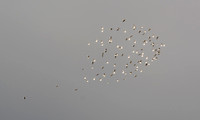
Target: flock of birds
<point>121,52</point>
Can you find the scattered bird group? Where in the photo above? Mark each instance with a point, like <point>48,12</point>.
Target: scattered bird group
<point>135,47</point>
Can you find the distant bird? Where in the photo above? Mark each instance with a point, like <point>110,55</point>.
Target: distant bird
<point>104,74</point>
<point>126,65</point>
<point>102,55</point>
<point>149,37</point>
<point>135,76</point>
<point>134,27</point>
<point>106,50</point>
<point>26,97</point>
<point>144,33</point>
<point>116,55</point>
<point>76,89</point>
<point>123,20</point>
<point>140,62</point>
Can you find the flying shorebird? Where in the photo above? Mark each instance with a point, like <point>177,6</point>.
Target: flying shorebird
<point>126,65</point>
<point>116,55</point>
<point>76,89</point>
<point>106,50</point>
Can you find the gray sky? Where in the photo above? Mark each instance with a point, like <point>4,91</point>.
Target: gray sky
<point>45,41</point>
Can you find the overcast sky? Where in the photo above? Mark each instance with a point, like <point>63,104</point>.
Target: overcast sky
<point>44,42</point>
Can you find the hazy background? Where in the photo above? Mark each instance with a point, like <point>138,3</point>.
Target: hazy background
<point>44,41</point>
